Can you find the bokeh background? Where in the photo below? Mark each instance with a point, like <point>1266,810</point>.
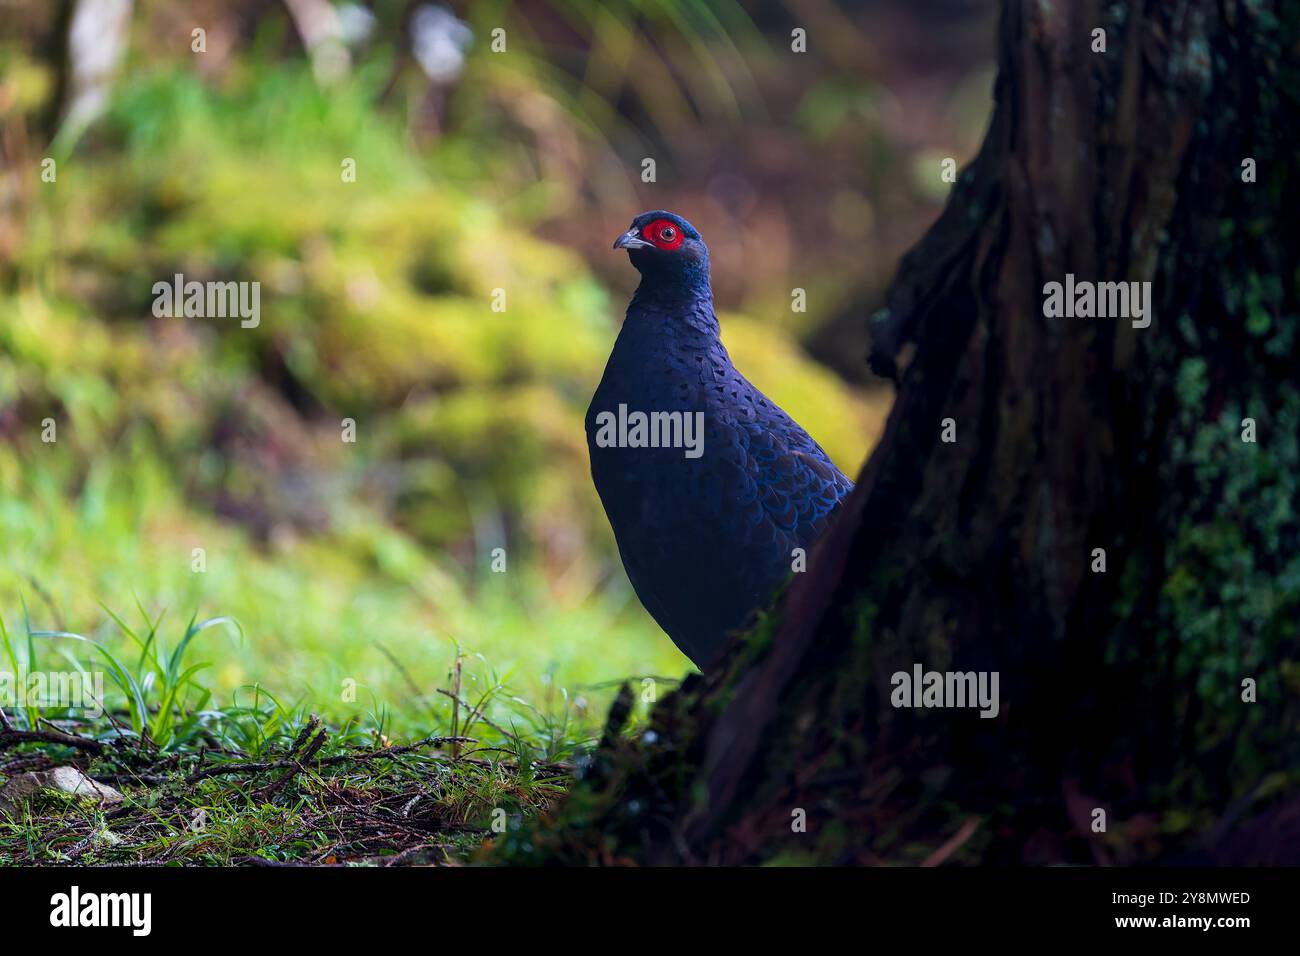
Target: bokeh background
<point>475,170</point>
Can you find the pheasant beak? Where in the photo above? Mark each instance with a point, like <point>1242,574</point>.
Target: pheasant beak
<point>630,240</point>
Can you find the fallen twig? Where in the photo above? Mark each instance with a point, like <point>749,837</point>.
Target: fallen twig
<point>386,753</point>
<point>11,735</point>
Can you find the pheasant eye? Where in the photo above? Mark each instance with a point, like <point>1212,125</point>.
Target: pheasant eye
<point>663,234</point>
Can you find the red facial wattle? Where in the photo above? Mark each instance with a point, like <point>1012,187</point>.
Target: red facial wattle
<point>664,234</point>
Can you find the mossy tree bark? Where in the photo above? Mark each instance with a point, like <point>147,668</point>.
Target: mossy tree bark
<point>1120,690</point>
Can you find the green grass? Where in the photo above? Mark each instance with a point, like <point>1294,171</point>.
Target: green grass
<point>362,608</point>
<point>260,780</point>
<point>377,640</point>
<point>361,627</point>
<point>341,795</point>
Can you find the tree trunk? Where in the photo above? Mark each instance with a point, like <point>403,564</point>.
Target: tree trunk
<point>1120,690</point>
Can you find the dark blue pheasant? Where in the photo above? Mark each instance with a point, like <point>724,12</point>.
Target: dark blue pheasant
<point>706,533</point>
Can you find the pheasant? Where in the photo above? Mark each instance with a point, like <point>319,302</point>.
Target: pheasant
<point>709,486</point>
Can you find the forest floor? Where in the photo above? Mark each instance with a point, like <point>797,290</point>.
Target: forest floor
<point>155,783</point>
<point>318,802</point>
